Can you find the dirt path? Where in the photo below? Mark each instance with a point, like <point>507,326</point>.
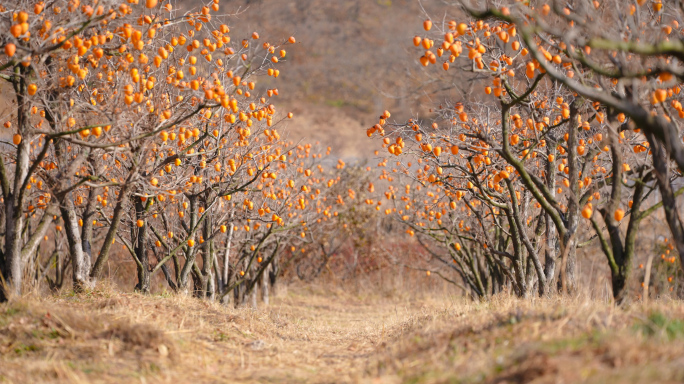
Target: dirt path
<point>330,336</point>
<point>327,338</point>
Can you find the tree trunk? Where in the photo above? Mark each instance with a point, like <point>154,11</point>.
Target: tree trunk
<point>73,235</point>
<point>14,197</point>
<point>87,232</point>
<point>207,258</point>
<point>140,249</point>
<point>264,286</point>
<point>253,296</point>
<point>218,277</point>
<point>190,255</point>
<point>569,272</point>
<point>550,254</point>
<point>12,255</point>
<point>59,271</point>
<point>211,286</point>
<point>568,280</point>
<point>226,257</point>
<point>143,285</point>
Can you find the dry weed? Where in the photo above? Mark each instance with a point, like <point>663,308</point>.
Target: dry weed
<point>315,334</point>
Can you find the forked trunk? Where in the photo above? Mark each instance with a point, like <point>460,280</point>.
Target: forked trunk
<point>80,266</point>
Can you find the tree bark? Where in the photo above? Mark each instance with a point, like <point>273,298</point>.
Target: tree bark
<point>207,258</point>
<point>73,235</point>
<point>190,255</point>
<point>226,256</point>
<point>265,286</point>
<point>87,231</point>
<point>140,249</point>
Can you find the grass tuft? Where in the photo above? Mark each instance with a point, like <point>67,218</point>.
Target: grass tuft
<point>660,325</point>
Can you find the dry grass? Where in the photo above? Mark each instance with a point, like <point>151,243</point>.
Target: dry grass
<point>326,335</point>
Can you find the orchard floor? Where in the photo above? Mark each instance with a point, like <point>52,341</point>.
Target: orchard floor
<point>314,335</point>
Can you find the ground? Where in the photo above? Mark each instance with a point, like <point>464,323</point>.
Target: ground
<point>316,334</point>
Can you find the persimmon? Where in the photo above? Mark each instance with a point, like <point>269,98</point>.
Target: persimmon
<point>461,28</point>
<point>16,30</point>
<point>10,49</point>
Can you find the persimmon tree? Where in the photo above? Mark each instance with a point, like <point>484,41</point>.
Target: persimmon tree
<point>474,204</point>
<point>534,154</point>
<point>281,217</point>
<point>130,102</point>
<point>34,47</point>
<point>204,148</point>
<point>344,239</point>
<point>624,56</point>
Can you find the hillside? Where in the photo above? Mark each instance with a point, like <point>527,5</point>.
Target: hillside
<point>353,59</point>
